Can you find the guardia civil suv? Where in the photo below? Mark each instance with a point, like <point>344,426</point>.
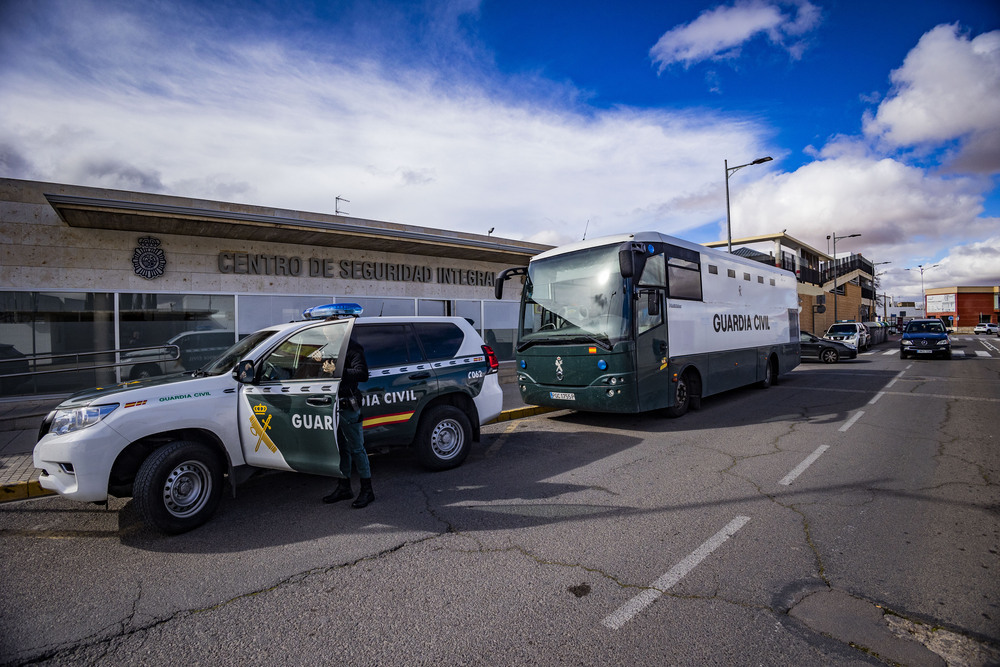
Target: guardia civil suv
<point>270,402</point>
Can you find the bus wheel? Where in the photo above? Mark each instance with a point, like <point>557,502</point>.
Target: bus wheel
<point>444,438</point>
<point>769,374</point>
<point>178,487</point>
<point>682,397</point>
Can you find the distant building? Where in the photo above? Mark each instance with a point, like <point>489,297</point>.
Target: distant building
<point>962,308</point>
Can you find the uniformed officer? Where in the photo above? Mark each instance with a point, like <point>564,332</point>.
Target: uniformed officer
<point>350,433</point>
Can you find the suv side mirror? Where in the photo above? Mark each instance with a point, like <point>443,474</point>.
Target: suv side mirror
<point>243,373</point>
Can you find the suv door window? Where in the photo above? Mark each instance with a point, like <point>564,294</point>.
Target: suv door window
<point>308,354</point>
<point>440,340</point>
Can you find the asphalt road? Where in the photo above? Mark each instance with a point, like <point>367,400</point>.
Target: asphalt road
<point>848,515</point>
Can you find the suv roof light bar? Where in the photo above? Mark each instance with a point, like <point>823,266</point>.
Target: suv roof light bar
<point>332,310</point>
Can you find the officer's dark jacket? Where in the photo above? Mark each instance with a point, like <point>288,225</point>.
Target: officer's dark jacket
<point>355,371</point>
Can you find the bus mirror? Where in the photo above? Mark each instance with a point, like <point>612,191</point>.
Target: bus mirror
<point>625,263</point>
<point>631,261</point>
<point>504,276</point>
<point>653,305</point>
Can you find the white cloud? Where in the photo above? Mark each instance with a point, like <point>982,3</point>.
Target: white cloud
<point>900,211</point>
<point>719,33</point>
<point>268,125</point>
<point>947,88</point>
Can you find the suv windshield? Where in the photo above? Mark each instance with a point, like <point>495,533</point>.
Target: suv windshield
<point>575,298</point>
<point>225,363</point>
<point>924,327</point>
<point>843,329</point>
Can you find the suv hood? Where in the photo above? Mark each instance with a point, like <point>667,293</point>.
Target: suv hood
<point>138,389</point>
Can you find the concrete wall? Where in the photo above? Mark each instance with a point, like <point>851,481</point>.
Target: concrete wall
<point>40,252</point>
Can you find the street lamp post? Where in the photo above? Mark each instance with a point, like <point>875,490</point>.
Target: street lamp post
<point>875,275</point>
<point>836,270</point>
<point>729,220</point>
<point>922,268</point>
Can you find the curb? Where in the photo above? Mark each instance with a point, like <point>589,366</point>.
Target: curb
<point>25,490</point>
<point>519,413</point>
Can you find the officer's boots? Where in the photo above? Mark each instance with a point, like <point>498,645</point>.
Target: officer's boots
<point>366,494</point>
<point>342,492</point>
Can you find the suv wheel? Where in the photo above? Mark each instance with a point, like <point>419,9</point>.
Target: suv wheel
<point>178,487</point>
<point>443,438</point>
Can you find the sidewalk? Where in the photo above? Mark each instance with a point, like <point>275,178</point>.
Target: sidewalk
<point>19,422</point>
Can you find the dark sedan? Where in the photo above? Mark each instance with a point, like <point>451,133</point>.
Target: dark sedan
<point>827,351</point>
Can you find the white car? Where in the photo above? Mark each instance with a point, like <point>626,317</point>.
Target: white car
<point>987,328</point>
<point>169,441</point>
<point>852,334</point>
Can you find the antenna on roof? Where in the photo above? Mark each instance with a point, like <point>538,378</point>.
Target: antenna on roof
<point>587,226</point>
<point>336,205</point>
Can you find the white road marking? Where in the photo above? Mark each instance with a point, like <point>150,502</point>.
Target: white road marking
<point>982,353</point>
<point>886,354</point>
<point>627,611</point>
<point>893,380</point>
<point>800,468</point>
<point>876,397</point>
<point>850,422</point>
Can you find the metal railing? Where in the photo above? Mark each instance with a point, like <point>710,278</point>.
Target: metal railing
<point>159,353</point>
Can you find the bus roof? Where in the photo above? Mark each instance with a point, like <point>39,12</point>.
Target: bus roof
<point>642,237</point>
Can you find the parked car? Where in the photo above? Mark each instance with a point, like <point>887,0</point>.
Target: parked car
<point>194,350</point>
<point>927,337</point>
<point>827,351</point>
<point>852,334</point>
<point>987,328</point>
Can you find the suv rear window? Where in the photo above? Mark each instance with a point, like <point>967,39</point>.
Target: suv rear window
<point>387,344</point>
<point>441,340</point>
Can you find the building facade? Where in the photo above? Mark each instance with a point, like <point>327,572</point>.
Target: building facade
<point>93,280</point>
<point>962,308</point>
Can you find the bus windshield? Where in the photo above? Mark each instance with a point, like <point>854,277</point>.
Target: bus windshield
<point>575,298</point>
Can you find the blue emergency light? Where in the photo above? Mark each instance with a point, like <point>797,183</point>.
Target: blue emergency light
<point>332,310</point>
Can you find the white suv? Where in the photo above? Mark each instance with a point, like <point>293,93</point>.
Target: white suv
<point>987,328</point>
<point>265,403</point>
<point>852,334</point>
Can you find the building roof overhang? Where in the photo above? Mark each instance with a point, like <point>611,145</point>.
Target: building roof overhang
<point>249,223</point>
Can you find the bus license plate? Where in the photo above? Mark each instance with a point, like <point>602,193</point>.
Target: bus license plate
<point>562,396</point>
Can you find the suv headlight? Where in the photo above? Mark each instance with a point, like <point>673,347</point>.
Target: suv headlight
<point>943,342</point>
<point>67,421</point>
<point>907,341</point>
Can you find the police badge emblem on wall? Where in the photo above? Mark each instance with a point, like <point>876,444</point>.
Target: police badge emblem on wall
<point>148,260</point>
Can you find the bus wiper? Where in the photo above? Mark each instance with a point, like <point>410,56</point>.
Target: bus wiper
<point>560,339</point>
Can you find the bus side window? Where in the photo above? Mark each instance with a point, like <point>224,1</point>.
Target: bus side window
<point>685,279</point>
<point>655,274</point>
<point>646,318</point>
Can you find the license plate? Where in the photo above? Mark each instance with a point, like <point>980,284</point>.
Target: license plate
<point>562,396</point>
<point>925,351</point>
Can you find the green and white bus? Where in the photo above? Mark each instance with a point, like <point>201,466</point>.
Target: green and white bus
<point>644,321</point>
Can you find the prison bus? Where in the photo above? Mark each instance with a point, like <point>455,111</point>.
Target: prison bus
<point>644,321</point>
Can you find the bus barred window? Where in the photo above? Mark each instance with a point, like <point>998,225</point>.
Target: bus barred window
<point>684,279</point>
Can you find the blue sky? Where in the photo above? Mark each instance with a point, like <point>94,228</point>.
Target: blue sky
<point>538,119</point>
